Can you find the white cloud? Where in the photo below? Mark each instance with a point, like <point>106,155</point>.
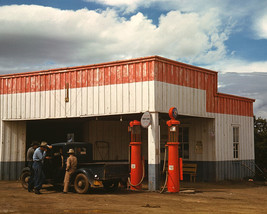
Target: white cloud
<point>33,36</point>
<point>260,26</point>
<point>238,66</point>
<point>127,6</point>
<point>244,13</point>
<point>231,8</point>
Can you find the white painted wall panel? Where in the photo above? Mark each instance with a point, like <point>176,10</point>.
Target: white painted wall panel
<point>113,98</point>
<point>224,137</point>
<point>42,105</point>
<point>14,102</point>
<point>200,129</point>
<point>107,100</point>
<point>87,101</point>
<point>132,97</point>
<point>12,149</point>
<point>101,100</point>
<point>145,95</point>
<point>84,101</point>
<point>37,107</point>
<point>189,101</point>
<point>32,105</point>
<point>138,98</point>
<point>51,104</point>
<point>90,100</point>
<point>62,104</point>
<point>27,105</point>
<point>96,101</point>
<point>125,98</point>
<point>47,104</point>
<point>9,103</point>
<point>57,103</point>
<point>79,97</point>
<point>151,96</point>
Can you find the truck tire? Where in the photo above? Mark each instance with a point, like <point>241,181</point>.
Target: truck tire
<point>110,186</point>
<point>24,178</point>
<point>81,184</point>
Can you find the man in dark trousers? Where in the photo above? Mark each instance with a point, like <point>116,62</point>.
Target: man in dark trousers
<point>30,152</point>
<point>38,161</point>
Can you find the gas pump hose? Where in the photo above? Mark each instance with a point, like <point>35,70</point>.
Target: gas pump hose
<point>143,176</point>
<point>163,170</point>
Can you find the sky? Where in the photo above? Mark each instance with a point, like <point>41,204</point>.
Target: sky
<point>227,36</point>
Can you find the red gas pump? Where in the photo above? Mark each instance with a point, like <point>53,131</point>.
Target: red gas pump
<point>175,168</point>
<point>137,173</point>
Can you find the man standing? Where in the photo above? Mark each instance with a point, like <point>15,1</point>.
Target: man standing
<point>38,160</point>
<point>70,169</point>
<point>30,152</point>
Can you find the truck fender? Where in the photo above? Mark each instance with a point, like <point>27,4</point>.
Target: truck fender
<point>25,169</point>
<point>88,174</point>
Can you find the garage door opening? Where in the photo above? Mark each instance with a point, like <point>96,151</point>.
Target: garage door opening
<point>108,134</point>
<point>54,131</point>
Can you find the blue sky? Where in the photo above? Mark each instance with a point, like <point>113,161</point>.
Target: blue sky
<point>226,36</point>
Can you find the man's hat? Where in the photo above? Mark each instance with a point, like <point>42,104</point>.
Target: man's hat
<point>35,143</point>
<point>43,144</point>
<point>71,151</point>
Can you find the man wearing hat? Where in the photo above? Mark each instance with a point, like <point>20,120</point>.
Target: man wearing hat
<point>38,160</point>
<point>30,152</point>
<point>71,166</point>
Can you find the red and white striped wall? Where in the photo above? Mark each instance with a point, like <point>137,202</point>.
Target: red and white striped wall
<point>128,86</point>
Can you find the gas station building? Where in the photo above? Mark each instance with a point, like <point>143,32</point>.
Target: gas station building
<point>95,104</point>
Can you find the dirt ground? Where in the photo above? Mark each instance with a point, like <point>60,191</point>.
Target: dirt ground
<point>245,197</point>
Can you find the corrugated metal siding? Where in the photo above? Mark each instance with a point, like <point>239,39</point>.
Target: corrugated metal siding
<point>12,150</point>
<point>175,73</point>
<point>85,76</point>
<point>200,129</point>
<point>227,104</point>
<point>116,135</point>
<point>188,101</point>
<point>224,137</point>
<point>234,170</point>
<point>101,100</point>
<point>224,170</point>
<point>117,87</point>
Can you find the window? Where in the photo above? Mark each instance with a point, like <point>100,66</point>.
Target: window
<point>184,142</point>
<point>235,142</point>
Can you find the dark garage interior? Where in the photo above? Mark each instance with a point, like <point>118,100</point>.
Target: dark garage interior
<point>54,131</point>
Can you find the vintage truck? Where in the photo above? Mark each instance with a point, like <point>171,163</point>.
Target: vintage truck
<point>89,173</point>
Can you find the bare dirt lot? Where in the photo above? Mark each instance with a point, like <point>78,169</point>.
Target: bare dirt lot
<point>245,197</point>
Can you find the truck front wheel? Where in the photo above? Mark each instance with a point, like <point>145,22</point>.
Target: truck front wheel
<point>24,178</point>
<point>81,184</point>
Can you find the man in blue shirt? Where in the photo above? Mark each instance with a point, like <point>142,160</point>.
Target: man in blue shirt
<point>38,160</point>
<point>30,153</point>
